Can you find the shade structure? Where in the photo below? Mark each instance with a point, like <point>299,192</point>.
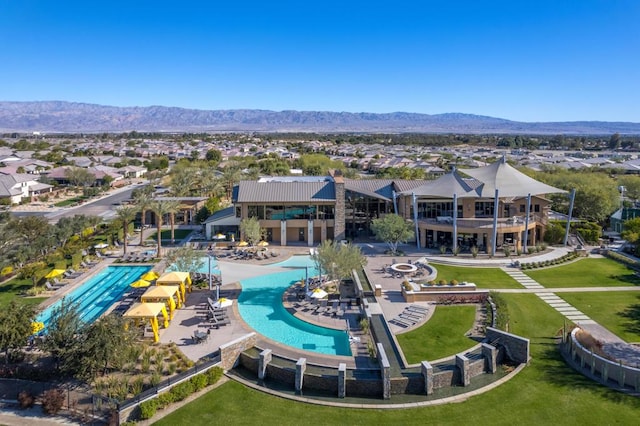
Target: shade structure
<point>263,243</point>
<point>223,302</point>
<point>55,273</point>
<point>150,276</point>
<point>317,293</point>
<point>140,283</point>
<point>167,294</point>
<point>149,311</point>
<point>446,186</point>
<point>101,246</point>
<point>508,180</point>
<point>243,244</point>
<point>182,279</point>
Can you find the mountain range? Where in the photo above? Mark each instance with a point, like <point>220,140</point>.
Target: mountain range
<point>72,117</point>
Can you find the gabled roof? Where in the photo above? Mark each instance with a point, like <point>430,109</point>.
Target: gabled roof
<point>285,192</point>
<point>375,188</point>
<point>229,211</point>
<point>509,181</point>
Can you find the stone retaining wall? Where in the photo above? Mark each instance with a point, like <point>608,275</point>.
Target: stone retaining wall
<point>516,347</point>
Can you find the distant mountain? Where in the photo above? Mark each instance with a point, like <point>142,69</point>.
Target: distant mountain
<point>57,116</point>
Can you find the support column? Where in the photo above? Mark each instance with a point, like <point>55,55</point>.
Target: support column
<point>301,367</point>
<point>339,216</point>
<point>455,223</point>
<point>462,362</point>
<point>310,233</point>
<point>526,224</point>
<point>323,230</point>
<point>566,231</point>
<point>415,218</point>
<point>490,354</point>
<point>496,205</point>
<point>283,232</point>
<point>342,380</point>
<point>265,359</point>
<point>427,374</point>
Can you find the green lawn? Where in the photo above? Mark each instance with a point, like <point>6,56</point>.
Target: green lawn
<point>619,312</point>
<point>545,392</point>
<point>482,277</point>
<point>586,273</point>
<point>13,290</point>
<point>443,335</point>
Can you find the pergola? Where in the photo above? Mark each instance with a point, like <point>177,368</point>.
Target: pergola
<point>149,311</point>
<point>164,294</point>
<point>181,279</point>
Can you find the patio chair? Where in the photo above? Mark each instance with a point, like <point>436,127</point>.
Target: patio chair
<point>50,287</point>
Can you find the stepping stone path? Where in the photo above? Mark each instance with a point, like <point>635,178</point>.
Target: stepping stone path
<point>550,298</point>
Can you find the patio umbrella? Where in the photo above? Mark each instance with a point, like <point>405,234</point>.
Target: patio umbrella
<point>223,302</point>
<point>140,283</point>
<point>220,237</point>
<point>263,243</point>
<point>54,273</point>
<point>243,244</point>
<point>318,293</point>
<point>150,276</point>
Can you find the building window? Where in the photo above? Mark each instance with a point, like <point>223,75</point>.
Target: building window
<point>536,208</point>
<point>484,208</point>
<point>256,211</point>
<point>523,208</point>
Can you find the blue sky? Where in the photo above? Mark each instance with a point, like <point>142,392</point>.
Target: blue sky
<point>522,60</point>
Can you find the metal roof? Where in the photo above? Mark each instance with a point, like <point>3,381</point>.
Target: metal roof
<point>286,192</point>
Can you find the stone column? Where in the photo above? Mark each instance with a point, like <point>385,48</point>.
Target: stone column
<point>490,354</point>
<point>339,217</point>
<point>462,362</point>
<point>342,380</point>
<point>265,359</point>
<point>301,367</point>
<point>323,230</point>
<point>427,374</point>
<point>385,372</point>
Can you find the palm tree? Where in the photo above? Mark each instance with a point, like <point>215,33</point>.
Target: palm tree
<point>160,208</point>
<point>143,203</point>
<point>173,207</point>
<point>126,214</point>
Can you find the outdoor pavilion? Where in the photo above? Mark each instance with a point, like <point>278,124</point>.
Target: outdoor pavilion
<point>181,279</point>
<point>167,294</point>
<point>149,311</point>
<point>493,206</point>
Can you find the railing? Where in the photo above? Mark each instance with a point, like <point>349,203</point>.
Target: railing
<point>484,223</point>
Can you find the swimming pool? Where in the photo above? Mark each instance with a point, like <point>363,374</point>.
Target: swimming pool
<point>260,304</point>
<point>98,293</point>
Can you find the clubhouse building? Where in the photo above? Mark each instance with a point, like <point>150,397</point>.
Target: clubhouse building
<point>487,207</point>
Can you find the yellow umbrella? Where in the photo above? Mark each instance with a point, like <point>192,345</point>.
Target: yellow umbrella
<point>243,244</point>
<point>54,273</point>
<point>140,283</point>
<point>150,276</point>
<point>263,243</point>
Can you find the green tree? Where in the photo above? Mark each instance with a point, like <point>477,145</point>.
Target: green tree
<point>161,208</point>
<point>77,176</point>
<point>631,230</point>
<point>143,201</point>
<point>251,230</point>
<point>125,215</point>
<point>339,260</point>
<point>185,259</point>
<point>214,156</point>
<point>15,327</point>
<point>63,337</point>
<point>393,230</point>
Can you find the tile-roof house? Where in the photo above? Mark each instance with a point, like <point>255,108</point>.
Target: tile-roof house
<point>15,187</point>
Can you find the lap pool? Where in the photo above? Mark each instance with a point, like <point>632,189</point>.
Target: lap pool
<point>98,293</point>
<point>260,304</point>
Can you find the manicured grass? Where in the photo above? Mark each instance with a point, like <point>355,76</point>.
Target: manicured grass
<point>619,312</point>
<point>69,202</point>
<point>586,273</point>
<point>179,234</point>
<point>482,277</point>
<point>443,335</point>
<point>13,289</point>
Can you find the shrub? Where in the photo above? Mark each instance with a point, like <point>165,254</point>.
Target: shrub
<point>155,379</point>
<point>455,251</point>
<point>26,400</point>
<point>214,374</point>
<point>531,250</point>
<point>165,399</point>
<point>474,251</point>
<point>182,390</point>
<point>52,401</point>
<point>518,252</point>
<point>442,282</point>
<point>199,382</point>
<point>443,249</point>
<point>507,251</point>
<point>148,409</point>
<point>454,282</point>
<point>136,385</point>
<point>431,282</point>
<point>171,369</point>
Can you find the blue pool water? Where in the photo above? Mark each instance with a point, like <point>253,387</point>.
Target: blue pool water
<point>98,293</point>
<point>260,305</point>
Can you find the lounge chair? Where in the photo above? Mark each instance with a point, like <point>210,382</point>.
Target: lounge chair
<point>51,287</point>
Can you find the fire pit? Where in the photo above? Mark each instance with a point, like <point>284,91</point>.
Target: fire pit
<point>404,268</point>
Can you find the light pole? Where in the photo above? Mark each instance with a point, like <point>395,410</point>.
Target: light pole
<point>306,280</point>
<point>211,256</point>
